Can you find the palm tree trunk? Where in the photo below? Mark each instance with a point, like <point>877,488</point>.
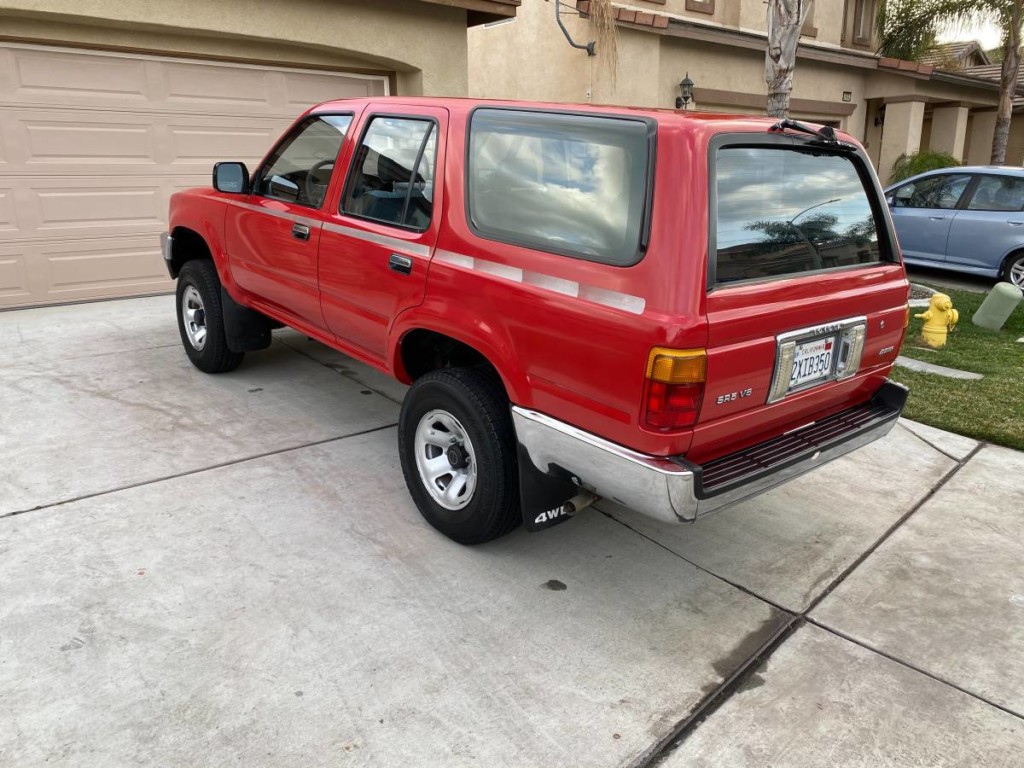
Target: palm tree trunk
<point>785,18</point>
<point>1007,82</point>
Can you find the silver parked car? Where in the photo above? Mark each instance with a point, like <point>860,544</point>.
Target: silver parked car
<point>968,219</point>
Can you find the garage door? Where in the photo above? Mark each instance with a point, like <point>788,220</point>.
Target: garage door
<point>93,144</point>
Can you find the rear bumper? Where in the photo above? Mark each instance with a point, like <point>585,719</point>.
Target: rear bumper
<point>673,490</point>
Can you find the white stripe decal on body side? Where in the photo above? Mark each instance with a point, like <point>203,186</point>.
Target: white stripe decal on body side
<point>633,304</point>
<point>279,214</point>
<point>395,243</point>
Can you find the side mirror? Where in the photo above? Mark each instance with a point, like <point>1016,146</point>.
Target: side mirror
<point>231,177</point>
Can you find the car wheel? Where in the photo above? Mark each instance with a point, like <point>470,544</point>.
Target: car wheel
<point>200,318</point>
<point>457,447</point>
<point>1013,272</point>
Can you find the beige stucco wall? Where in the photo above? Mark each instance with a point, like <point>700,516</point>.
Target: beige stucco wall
<point>530,59</point>
<point>424,44</point>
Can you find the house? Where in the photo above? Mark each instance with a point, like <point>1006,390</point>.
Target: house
<point>1015,142</point>
<point>956,56</point>
<point>893,106</point>
<point>106,108</point>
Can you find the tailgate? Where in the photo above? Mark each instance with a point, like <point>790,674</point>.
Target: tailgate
<point>807,301</point>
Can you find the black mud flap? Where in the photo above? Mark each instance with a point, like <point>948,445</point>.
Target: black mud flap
<point>246,330</point>
<point>544,495</point>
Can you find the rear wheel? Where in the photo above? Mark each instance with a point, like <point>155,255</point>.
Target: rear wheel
<point>201,320</point>
<point>1013,272</point>
<point>457,447</point>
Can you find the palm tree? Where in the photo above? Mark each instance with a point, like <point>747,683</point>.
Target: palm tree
<point>785,18</point>
<point>907,29</point>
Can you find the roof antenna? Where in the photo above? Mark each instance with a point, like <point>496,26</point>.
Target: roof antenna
<point>589,47</point>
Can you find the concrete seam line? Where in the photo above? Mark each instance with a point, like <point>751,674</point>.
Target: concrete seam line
<point>40,365</point>
<point>660,752</point>
<point>734,585</point>
<point>868,647</point>
<point>891,530</point>
<point>705,708</point>
<point>200,470</point>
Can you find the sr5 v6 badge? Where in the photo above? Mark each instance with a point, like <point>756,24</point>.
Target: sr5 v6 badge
<point>730,396</point>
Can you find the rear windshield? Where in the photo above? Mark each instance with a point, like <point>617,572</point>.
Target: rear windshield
<point>785,211</point>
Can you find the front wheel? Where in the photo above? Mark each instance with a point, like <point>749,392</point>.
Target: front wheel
<point>457,447</point>
<point>201,319</point>
<point>1013,272</point>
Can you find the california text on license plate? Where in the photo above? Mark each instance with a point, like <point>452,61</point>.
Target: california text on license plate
<point>812,361</point>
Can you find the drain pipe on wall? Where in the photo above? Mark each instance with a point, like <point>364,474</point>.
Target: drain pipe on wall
<point>589,47</point>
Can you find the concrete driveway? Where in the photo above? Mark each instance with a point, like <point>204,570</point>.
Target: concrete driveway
<point>200,570</point>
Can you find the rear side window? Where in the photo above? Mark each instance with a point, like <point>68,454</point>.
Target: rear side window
<point>569,184</point>
<point>784,211</point>
<point>392,178</point>
<point>998,193</point>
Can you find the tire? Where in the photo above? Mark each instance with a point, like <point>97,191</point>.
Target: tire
<point>1013,271</point>
<point>464,409</point>
<point>201,319</point>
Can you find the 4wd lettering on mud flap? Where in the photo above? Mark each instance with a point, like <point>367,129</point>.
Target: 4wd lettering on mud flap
<point>551,514</point>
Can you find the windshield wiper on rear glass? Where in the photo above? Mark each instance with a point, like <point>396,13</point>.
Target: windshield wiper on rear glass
<point>825,135</point>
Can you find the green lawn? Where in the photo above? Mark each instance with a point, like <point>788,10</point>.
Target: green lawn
<point>991,409</point>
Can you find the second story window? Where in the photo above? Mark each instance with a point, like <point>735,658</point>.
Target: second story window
<point>863,21</point>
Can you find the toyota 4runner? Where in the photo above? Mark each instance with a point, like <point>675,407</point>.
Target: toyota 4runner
<point>672,311</point>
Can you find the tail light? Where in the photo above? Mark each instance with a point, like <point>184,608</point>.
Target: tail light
<point>674,389</point>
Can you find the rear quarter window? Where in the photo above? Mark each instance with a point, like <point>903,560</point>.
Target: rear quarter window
<point>575,185</point>
<point>784,211</point>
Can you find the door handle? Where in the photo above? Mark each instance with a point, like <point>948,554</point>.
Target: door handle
<point>937,218</point>
<point>301,231</point>
<point>1016,223</point>
<point>400,264</point>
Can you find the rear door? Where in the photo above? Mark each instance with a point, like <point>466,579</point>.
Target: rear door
<point>806,297</point>
<point>922,212</point>
<point>380,233</point>
<point>989,225</point>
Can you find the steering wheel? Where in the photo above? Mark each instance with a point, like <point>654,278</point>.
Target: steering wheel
<point>310,185</point>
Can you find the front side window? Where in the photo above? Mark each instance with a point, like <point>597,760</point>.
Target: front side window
<point>300,169</point>
<point>942,192</point>
<point>785,211</point>
<point>392,177</point>
<point>570,184</point>
<point>998,193</point>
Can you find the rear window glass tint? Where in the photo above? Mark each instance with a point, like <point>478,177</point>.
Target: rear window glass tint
<point>570,184</point>
<point>784,212</point>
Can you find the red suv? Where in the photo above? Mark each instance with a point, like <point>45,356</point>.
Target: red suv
<point>673,311</point>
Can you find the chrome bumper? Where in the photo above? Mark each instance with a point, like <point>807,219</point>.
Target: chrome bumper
<point>674,491</point>
<point>166,246</point>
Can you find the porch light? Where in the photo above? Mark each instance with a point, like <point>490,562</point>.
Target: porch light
<point>685,92</point>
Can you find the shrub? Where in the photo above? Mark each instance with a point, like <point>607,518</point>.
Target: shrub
<point>919,162</point>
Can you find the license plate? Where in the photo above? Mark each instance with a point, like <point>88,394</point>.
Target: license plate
<point>812,361</point>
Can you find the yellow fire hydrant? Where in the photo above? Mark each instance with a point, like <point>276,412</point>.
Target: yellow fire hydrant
<point>939,319</point>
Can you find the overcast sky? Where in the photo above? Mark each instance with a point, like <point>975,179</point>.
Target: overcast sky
<point>987,34</point>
